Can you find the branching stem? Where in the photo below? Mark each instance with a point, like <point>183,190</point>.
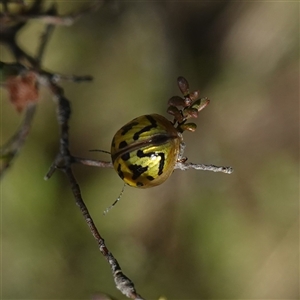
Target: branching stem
<point>12,147</point>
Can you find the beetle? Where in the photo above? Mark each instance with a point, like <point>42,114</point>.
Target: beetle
<point>145,150</point>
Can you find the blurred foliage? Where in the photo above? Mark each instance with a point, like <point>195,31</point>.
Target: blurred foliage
<point>199,235</point>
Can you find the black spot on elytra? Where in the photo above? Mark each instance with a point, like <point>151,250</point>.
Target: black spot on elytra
<point>137,171</point>
<point>150,178</point>
<point>128,127</point>
<point>123,144</point>
<point>125,156</point>
<point>151,119</point>
<point>161,163</point>
<point>153,124</point>
<point>141,154</point>
<point>139,184</point>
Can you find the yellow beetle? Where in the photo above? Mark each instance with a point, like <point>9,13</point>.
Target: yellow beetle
<point>145,150</point>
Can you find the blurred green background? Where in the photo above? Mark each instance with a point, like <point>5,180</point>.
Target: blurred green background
<point>200,235</point>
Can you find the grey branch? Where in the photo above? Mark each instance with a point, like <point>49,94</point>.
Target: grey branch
<point>185,166</point>
<point>93,163</point>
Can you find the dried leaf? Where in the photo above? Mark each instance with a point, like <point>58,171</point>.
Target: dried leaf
<point>22,90</point>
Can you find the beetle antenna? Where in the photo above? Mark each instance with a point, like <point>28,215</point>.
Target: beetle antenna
<point>110,207</point>
<point>94,150</point>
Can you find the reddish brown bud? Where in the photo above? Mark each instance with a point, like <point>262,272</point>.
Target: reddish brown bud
<point>183,85</point>
<point>174,111</point>
<point>194,95</point>
<point>190,113</point>
<point>176,101</point>
<point>188,126</point>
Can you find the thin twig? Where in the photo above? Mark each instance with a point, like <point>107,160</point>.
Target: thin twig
<point>12,147</point>
<point>185,166</point>
<point>72,78</point>
<point>44,39</point>
<point>93,163</point>
<point>179,165</point>
<point>123,283</point>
